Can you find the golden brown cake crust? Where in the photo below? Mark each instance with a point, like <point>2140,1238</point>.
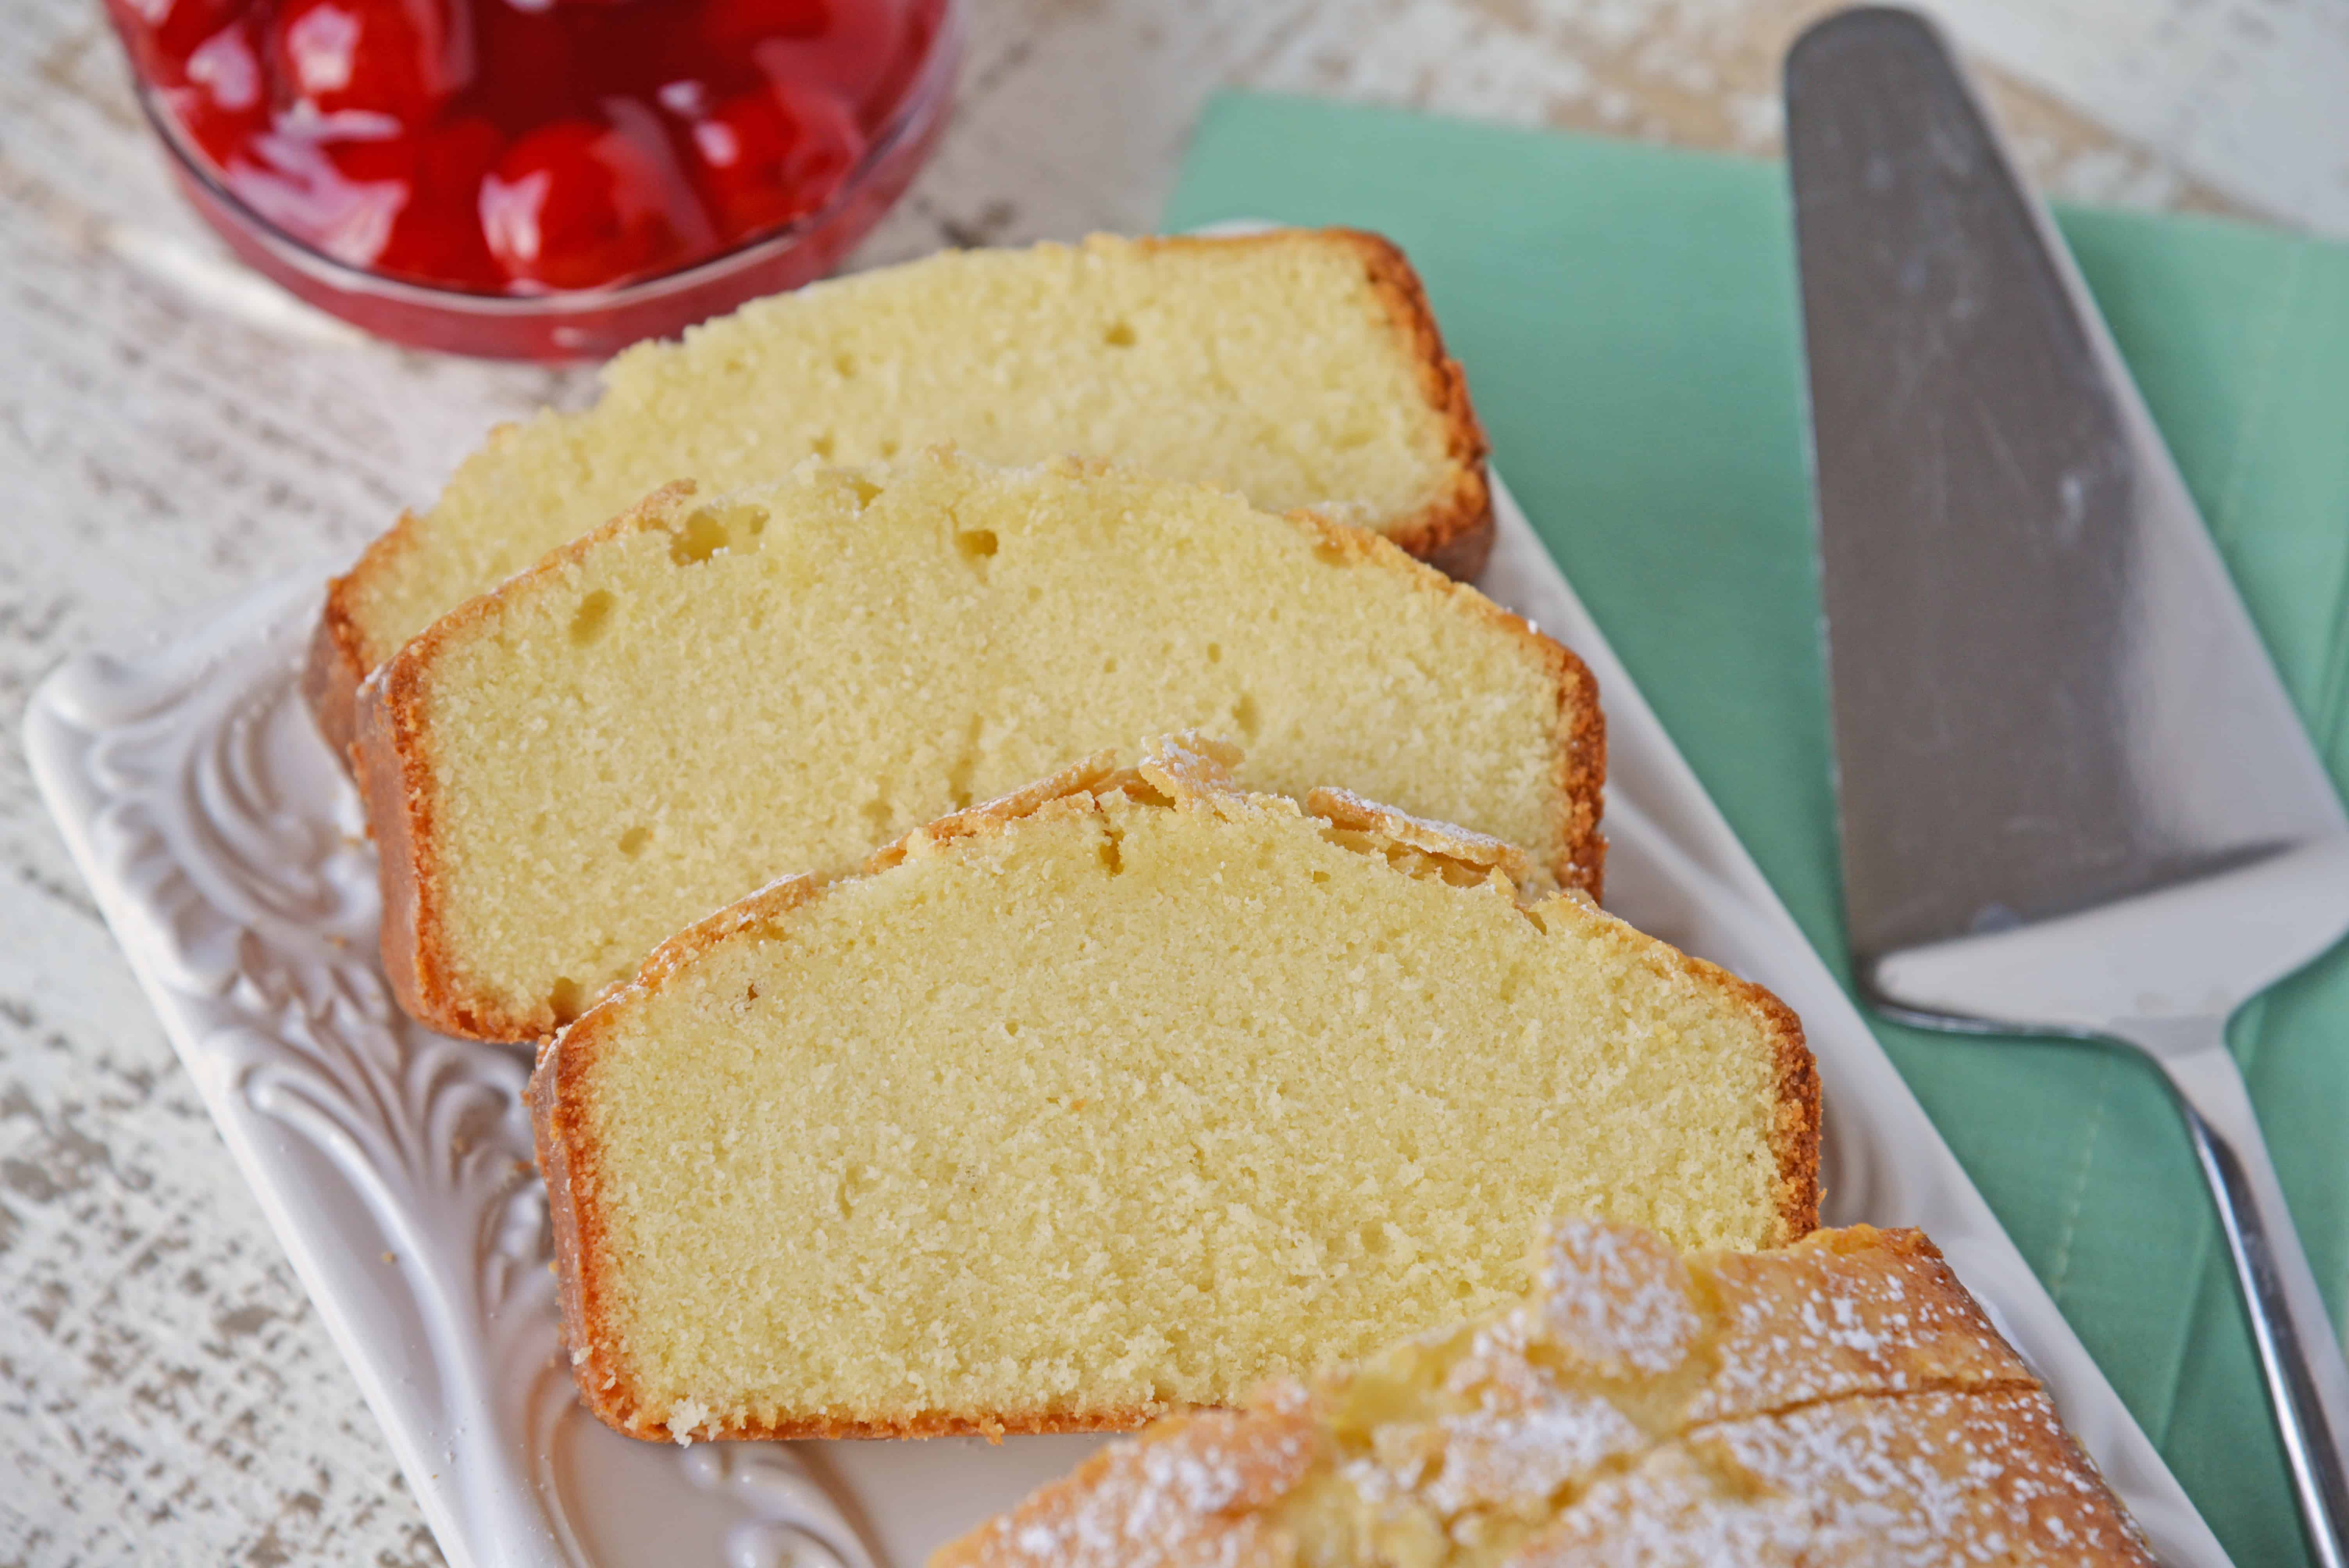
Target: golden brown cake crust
<point>395,787</point>
<point>1182,766</point>
<point>1794,1134</point>
<point>1795,1127</point>
<point>331,674</point>
<point>1580,751</point>
<point>388,754</point>
<point>1454,533</point>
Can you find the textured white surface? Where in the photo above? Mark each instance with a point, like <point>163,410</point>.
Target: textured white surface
<point>172,431</point>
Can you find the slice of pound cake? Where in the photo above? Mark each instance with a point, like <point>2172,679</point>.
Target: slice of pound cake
<point>706,696</point>
<point>1841,1403</point>
<point>1300,368</point>
<point>1119,1095</point>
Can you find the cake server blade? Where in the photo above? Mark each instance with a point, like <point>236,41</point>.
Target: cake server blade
<point>2073,796</point>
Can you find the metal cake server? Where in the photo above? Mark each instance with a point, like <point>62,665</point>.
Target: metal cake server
<point>2075,800</point>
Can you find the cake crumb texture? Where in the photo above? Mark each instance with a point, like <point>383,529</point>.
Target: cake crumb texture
<point>1121,1095</point>
<point>712,692</point>
<point>1616,1419</point>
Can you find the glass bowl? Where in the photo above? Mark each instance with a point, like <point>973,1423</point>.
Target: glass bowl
<point>585,324</point>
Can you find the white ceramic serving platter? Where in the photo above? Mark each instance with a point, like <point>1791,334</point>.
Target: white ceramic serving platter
<point>224,845</point>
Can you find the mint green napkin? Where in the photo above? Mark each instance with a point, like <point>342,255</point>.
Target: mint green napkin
<point>1627,316</point>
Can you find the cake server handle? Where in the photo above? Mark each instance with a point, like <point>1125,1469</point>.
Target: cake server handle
<point>2308,1380</point>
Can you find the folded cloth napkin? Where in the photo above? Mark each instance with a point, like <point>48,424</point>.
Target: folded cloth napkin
<point>1627,316</point>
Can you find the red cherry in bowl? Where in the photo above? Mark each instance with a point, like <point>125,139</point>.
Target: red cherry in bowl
<point>729,27</point>
<point>580,203</point>
<point>402,205</point>
<point>851,53</point>
<point>162,33</point>
<point>533,70</point>
<point>224,98</point>
<point>437,236</point>
<point>773,154</point>
<point>342,197</point>
<point>401,60</point>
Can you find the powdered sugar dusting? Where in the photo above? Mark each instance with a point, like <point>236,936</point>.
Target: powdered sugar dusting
<point>1616,1297</point>
<point>1672,1513</point>
<point>1932,1479</point>
<point>1185,1495</point>
<point>1504,1456</point>
<point>1804,1325</point>
<point>1898,1481</point>
<point>1527,1437</point>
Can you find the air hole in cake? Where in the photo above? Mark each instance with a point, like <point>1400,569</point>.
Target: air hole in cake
<point>854,1183</point>
<point>635,839</point>
<point>1109,665</point>
<point>822,446</point>
<point>966,766</point>
<point>845,364</point>
<point>588,621</point>
<point>1320,878</point>
<point>563,999</point>
<point>1113,854</point>
<point>1215,653</point>
<point>889,449</point>
<point>703,536</point>
<point>710,529</point>
<point>1330,552</point>
<point>867,490</point>
<point>1244,714</point>
<point>877,812</point>
<point>977,545</point>
<point>1119,336</point>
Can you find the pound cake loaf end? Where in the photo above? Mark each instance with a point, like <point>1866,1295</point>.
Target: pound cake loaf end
<point>1300,368</point>
<point>706,694</point>
<point>1118,1095</point>
<point>1841,1403</point>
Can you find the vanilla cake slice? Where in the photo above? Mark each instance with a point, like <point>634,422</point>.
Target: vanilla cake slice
<point>705,696</point>
<point>1119,1095</point>
<point>1300,368</point>
<point>1841,1403</point>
